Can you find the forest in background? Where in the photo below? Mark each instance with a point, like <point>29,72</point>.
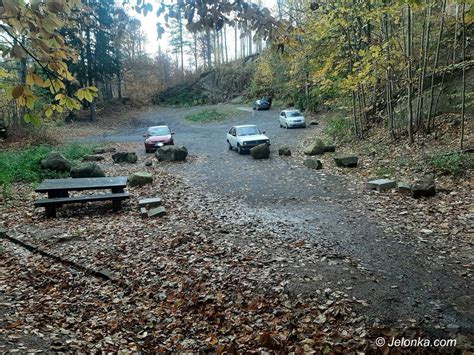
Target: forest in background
<point>378,61</point>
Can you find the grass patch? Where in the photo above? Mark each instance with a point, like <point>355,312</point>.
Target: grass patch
<point>338,128</point>
<point>212,115</point>
<point>453,164</point>
<point>24,165</point>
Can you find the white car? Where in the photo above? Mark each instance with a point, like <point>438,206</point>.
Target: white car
<point>291,118</point>
<point>245,137</point>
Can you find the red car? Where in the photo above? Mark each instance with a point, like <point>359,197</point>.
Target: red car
<point>156,137</point>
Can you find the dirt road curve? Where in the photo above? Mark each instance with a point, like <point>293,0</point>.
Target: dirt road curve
<point>398,276</point>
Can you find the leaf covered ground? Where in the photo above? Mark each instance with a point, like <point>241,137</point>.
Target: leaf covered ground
<point>210,276</point>
<point>177,283</point>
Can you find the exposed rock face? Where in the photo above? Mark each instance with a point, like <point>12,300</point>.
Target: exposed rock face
<point>85,170</point>
<point>424,188</point>
<point>315,148</point>
<point>261,151</point>
<point>347,162</point>
<point>171,153</point>
<point>125,157</point>
<point>56,162</point>
<point>285,151</point>
<point>140,179</point>
<point>92,157</point>
<point>313,164</point>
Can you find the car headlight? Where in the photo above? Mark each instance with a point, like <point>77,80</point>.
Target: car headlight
<point>245,143</point>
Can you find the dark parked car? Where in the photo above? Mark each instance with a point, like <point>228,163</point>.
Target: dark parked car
<point>156,137</point>
<point>262,104</point>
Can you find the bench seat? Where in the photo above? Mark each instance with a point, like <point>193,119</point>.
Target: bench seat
<point>51,203</point>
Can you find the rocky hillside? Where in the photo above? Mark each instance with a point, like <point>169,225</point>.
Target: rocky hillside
<point>216,85</point>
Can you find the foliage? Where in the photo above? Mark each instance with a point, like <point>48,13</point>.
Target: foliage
<point>339,128</point>
<point>181,95</point>
<point>23,165</point>
<point>212,115</point>
<point>355,56</point>
<point>453,164</point>
<point>30,30</point>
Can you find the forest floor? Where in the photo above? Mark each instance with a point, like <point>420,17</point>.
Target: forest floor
<point>252,255</point>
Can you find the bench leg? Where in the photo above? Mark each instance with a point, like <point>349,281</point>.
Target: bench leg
<point>51,211</point>
<point>117,205</point>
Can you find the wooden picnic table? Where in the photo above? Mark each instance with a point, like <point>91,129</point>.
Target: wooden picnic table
<point>58,191</point>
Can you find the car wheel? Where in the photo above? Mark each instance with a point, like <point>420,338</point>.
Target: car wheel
<point>230,146</point>
<point>286,125</point>
<point>147,150</point>
<point>239,149</point>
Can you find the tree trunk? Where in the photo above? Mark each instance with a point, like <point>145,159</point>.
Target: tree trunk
<point>463,94</point>
<point>225,44</point>
<point>409,73</point>
<point>425,54</point>
<point>90,81</point>
<point>388,75</point>
<point>208,47</point>
<point>435,66</point>
<point>236,42</point>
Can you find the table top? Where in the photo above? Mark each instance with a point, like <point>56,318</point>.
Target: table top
<point>82,183</point>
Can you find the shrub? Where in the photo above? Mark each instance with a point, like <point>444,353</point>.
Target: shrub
<point>338,128</point>
<point>453,164</point>
<point>23,165</point>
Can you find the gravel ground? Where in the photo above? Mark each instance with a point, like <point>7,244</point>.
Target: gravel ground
<point>401,277</point>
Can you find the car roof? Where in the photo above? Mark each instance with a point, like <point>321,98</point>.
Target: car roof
<point>291,110</point>
<point>244,125</point>
<point>163,126</point>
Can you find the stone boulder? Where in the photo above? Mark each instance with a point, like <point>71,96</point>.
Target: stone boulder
<point>347,162</point>
<point>92,157</point>
<point>86,170</point>
<point>424,187</point>
<point>285,151</point>
<point>313,164</point>
<point>102,150</point>
<point>171,153</point>
<point>261,151</point>
<point>140,179</point>
<point>329,149</point>
<point>125,157</point>
<point>315,148</point>
<point>56,162</point>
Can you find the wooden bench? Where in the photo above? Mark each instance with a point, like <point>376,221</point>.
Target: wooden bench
<point>51,203</point>
<point>58,192</point>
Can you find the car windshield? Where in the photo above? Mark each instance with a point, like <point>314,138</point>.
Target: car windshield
<point>247,131</point>
<point>293,114</point>
<point>159,131</point>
